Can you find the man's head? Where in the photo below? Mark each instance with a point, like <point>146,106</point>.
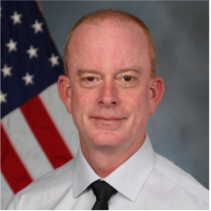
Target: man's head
<point>113,15</point>
<point>109,90</point>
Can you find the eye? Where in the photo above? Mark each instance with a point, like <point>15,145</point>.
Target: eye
<point>127,78</point>
<point>127,81</point>
<point>90,79</point>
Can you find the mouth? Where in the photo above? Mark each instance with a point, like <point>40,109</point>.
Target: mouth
<point>111,122</point>
<point>108,118</point>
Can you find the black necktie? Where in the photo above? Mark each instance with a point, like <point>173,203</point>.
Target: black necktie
<point>103,192</point>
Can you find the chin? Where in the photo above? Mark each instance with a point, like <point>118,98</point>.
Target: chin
<point>107,138</point>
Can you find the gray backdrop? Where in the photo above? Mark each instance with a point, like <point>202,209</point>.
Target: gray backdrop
<point>179,128</point>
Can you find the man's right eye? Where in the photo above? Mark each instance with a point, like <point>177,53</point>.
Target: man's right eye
<point>90,79</point>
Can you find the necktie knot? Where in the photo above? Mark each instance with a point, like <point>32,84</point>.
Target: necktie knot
<point>103,192</point>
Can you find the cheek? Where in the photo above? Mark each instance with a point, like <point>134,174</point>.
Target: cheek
<point>80,104</point>
<point>138,106</point>
<point>81,101</point>
<point>137,100</point>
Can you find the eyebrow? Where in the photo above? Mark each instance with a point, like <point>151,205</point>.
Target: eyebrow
<point>82,71</point>
<point>128,70</point>
<point>79,72</point>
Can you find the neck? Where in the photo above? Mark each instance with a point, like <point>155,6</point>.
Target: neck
<point>104,160</point>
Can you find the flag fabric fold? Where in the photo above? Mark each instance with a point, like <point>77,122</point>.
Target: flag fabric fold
<point>29,57</point>
<point>36,134</point>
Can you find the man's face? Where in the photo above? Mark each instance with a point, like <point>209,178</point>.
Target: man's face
<point>109,73</point>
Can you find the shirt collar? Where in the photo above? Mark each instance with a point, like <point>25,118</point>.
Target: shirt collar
<point>128,179</point>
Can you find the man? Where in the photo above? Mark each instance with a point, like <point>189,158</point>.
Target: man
<point>110,88</point>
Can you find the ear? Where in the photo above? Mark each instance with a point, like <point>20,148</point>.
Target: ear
<point>156,90</point>
<point>64,90</point>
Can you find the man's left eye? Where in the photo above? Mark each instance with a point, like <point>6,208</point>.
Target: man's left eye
<point>127,78</point>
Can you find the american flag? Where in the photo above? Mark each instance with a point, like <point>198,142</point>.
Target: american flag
<point>37,135</point>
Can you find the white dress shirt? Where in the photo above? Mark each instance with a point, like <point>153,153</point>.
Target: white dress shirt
<point>145,181</point>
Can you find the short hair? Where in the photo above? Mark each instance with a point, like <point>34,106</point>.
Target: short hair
<point>110,14</point>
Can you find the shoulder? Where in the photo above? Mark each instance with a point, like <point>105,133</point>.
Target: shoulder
<point>55,177</point>
<point>181,186</point>
<point>44,189</point>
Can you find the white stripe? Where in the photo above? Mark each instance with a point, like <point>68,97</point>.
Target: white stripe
<point>25,144</point>
<point>61,118</point>
<point>6,193</point>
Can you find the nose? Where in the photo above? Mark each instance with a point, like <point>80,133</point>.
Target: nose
<point>108,96</point>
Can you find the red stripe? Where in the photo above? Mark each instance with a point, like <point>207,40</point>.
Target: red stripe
<point>45,132</point>
<point>11,166</point>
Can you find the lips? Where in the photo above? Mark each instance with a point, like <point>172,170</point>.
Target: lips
<point>110,123</point>
<point>111,118</point>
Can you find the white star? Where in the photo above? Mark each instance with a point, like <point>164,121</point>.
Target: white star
<point>28,79</point>
<point>16,18</point>
<point>6,70</point>
<point>37,26</point>
<point>3,97</point>
<point>0,10</point>
<point>12,45</point>
<point>54,60</point>
<point>32,52</point>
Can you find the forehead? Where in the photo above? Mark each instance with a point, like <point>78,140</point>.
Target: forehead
<point>108,42</point>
